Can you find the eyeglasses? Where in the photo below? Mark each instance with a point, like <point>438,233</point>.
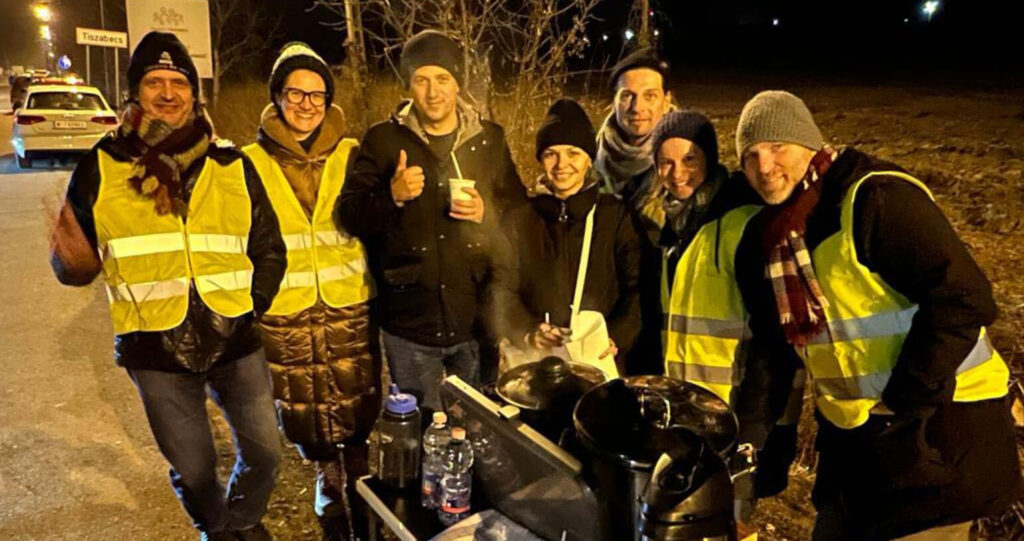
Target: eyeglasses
<point>295,96</point>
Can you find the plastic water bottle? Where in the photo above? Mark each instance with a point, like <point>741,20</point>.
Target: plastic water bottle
<point>399,440</point>
<point>435,443</point>
<point>457,480</point>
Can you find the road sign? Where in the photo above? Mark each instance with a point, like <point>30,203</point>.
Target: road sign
<point>101,38</point>
<point>188,19</point>
<point>64,62</point>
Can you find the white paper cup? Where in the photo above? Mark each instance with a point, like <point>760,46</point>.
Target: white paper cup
<point>455,186</point>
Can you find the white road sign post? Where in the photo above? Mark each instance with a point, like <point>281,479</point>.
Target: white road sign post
<point>188,19</point>
<point>102,38</point>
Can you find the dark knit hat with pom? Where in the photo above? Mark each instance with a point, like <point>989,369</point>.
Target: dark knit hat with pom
<point>299,56</point>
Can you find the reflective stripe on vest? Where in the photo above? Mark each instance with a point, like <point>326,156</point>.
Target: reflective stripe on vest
<point>149,260</point>
<point>851,361</point>
<point>322,261</point>
<point>707,322</point>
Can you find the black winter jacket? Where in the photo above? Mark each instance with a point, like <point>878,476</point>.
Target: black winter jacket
<point>546,240</point>
<point>936,461</point>
<point>432,271</point>
<point>204,337</point>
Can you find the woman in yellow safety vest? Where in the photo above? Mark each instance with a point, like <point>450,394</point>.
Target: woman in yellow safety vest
<point>320,340</point>
<point>705,323</point>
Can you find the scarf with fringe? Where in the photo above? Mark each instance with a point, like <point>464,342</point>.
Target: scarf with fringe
<point>798,297</point>
<point>166,153</point>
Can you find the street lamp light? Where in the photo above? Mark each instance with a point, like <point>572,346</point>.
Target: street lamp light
<point>929,8</point>
<point>44,32</point>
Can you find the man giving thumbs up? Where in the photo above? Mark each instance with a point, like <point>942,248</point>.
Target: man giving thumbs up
<point>425,194</point>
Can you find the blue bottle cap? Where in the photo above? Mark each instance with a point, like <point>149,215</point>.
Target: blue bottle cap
<point>399,402</point>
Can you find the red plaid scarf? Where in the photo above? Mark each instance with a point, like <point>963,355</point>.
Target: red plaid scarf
<point>798,297</point>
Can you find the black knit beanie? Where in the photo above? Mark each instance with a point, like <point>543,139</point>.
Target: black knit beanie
<point>692,126</point>
<point>567,124</point>
<point>299,56</point>
<point>430,48</point>
<point>161,51</point>
<point>646,57</point>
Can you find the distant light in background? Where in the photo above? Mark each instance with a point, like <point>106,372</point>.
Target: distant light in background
<point>907,20</point>
<point>657,32</point>
<point>604,37</point>
<point>629,34</point>
<point>42,12</point>
<point>929,8</point>
<point>776,22</point>
<point>44,32</point>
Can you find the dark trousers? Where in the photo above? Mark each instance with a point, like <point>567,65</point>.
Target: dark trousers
<point>341,510</point>
<point>419,369</point>
<point>175,405</point>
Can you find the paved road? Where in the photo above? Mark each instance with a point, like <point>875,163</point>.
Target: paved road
<point>77,460</point>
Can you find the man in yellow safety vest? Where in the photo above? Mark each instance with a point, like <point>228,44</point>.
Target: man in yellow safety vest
<point>853,270</point>
<point>190,250</point>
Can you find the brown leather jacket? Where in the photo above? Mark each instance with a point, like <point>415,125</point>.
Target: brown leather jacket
<point>325,361</point>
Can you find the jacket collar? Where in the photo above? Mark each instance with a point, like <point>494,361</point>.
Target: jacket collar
<point>469,122</point>
<point>275,138</point>
<point>849,166</point>
<point>572,210</point>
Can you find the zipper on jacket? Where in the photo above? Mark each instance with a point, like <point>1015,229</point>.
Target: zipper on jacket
<point>563,215</point>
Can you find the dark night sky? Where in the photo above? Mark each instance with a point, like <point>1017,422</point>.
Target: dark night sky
<point>865,34</point>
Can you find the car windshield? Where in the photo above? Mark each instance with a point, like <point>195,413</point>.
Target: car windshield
<point>70,101</point>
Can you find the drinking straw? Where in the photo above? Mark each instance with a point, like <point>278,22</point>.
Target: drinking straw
<point>458,170</point>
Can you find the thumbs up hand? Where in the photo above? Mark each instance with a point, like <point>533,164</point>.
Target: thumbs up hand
<point>407,182</point>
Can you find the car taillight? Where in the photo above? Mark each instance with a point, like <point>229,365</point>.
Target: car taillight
<point>106,120</point>
<point>27,120</point>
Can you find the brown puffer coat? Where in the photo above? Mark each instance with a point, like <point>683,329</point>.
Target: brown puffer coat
<point>325,361</point>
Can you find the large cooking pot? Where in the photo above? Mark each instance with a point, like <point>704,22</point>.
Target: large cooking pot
<point>625,425</point>
<point>546,391</point>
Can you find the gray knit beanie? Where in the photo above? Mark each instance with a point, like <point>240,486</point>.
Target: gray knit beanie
<point>777,116</point>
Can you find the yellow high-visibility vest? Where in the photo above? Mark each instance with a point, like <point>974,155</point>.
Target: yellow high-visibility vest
<point>707,322</point>
<point>149,260</point>
<point>851,360</point>
<point>321,259</point>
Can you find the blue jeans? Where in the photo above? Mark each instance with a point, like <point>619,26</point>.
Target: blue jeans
<point>175,405</point>
<point>419,369</point>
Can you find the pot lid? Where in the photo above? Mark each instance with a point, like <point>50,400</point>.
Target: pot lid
<point>630,418</point>
<point>540,385</point>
